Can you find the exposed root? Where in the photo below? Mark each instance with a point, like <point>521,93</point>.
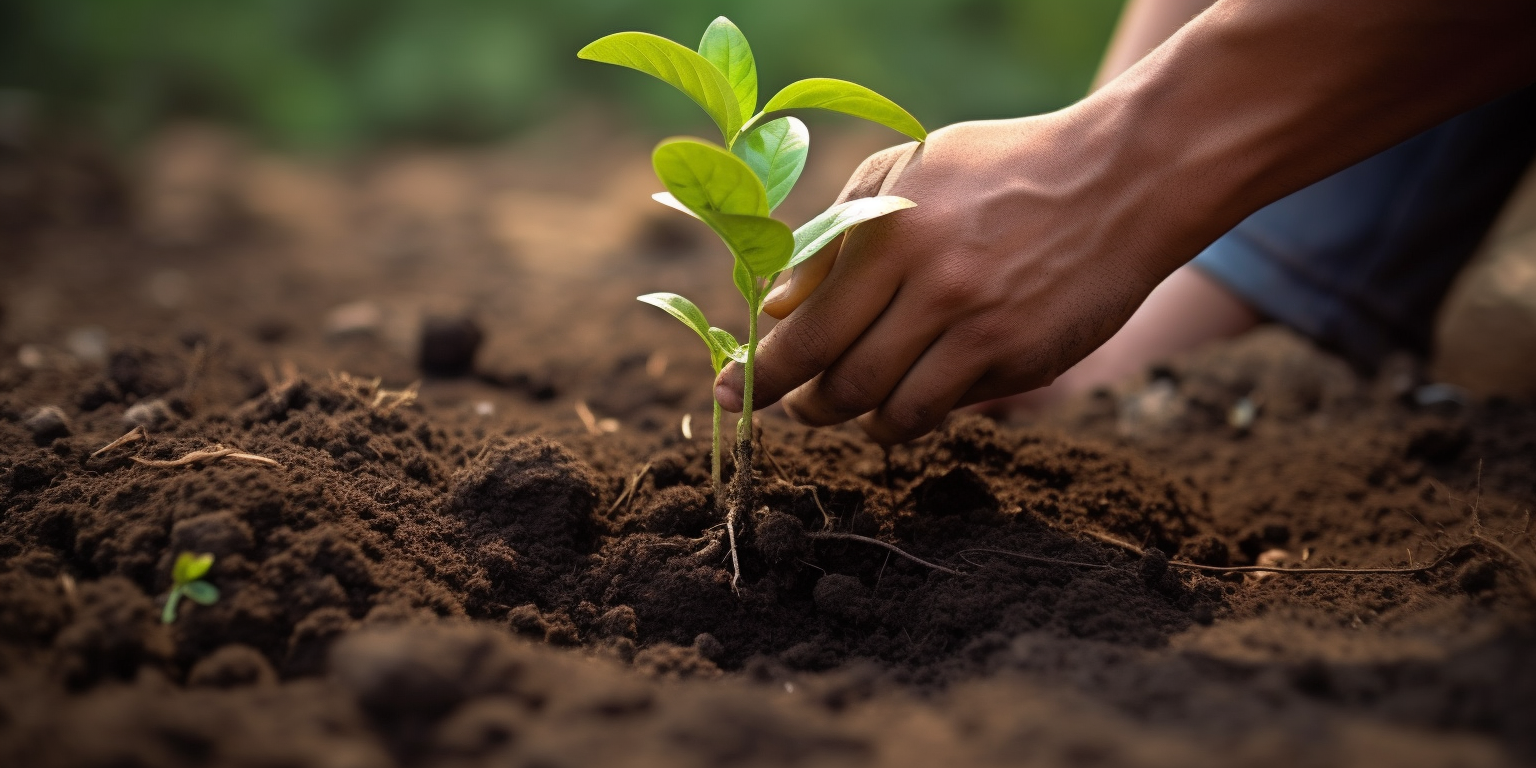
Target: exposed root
<point>134,435</point>
<point>730,531</point>
<point>594,425</point>
<point>1213,568</point>
<point>962,554</point>
<point>199,457</point>
<point>629,488</point>
<point>838,536</point>
<point>827,521</point>
<point>388,400</point>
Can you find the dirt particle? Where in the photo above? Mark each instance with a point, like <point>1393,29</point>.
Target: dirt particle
<point>842,596</point>
<point>47,423</point>
<point>151,414</point>
<point>232,666</point>
<point>217,533</point>
<point>448,345</point>
<point>619,621</point>
<point>780,538</point>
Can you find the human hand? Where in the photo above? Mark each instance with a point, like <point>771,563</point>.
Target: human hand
<point>1012,267</point>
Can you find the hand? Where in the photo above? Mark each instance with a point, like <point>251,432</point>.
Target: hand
<point>1012,267</point>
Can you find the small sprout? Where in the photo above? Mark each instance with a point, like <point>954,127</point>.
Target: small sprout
<point>187,581</point>
<point>734,187</point>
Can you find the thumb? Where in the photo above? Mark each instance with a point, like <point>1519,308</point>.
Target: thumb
<point>873,177</point>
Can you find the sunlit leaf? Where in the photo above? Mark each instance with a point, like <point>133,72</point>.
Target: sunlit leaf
<point>684,69</point>
<point>190,567</point>
<point>776,151</point>
<point>726,47</point>
<point>848,98</point>
<point>721,343</point>
<point>834,221</point>
<point>202,593</point>
<point>761,244</point>
<point>706,178</point>
<point>666,198</point>
<point>727,344</point>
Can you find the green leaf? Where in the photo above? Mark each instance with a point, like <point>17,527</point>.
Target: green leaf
<point>746,285</point>
<point>728,345</point>
<point>168,613</point>
<point>685,70</point>
<point>190,567</point>
<point>848,98</point>
<point>202,593</point>
<point>834,221</point>
<point>776,151</point>
<point>726,47</point>
<point>706,178</point>
<point>761,244</point>
<point>721,343</point>
<point>666,198</point>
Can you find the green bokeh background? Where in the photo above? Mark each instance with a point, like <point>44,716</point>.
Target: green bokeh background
<point>344,75</point>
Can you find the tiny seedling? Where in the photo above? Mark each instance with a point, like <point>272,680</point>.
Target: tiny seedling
<point>187,581</point>
<point>733,187</point>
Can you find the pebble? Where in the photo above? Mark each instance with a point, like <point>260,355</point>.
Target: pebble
<point>88,344</point>
<point>360,318</point>
<point>149,414</point>
<point>448,345</point>
<point>48,421</point>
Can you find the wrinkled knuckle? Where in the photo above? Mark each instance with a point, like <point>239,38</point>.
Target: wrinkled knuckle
<point>845,396</point>
<point>976,336</point>
<point>898,423</point>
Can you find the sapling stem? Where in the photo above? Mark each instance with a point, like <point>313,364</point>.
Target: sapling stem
<point>714,454</point>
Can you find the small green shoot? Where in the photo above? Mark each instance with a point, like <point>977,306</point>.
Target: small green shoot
<point>187,581</point>
<point>734,187</point>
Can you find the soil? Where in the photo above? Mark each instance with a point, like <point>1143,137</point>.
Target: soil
<point>487,540</point>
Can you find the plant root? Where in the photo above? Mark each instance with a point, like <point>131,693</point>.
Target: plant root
<point>629,488</point>
<point>199,457</point>
<point>134,435</point>
<point>1216,568</point>
<point>594,425</point>
<point>730,531</point>
<point>837,536</point>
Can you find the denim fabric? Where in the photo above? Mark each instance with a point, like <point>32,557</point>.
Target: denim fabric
<point>1361,260</point>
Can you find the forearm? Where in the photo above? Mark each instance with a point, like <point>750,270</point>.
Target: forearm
<point>1143,26</point>
<point>1258,98</point>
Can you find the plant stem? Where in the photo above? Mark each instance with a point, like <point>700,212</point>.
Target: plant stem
<point>168,615</point>
<point>714,454</point>
<point>744,430</point>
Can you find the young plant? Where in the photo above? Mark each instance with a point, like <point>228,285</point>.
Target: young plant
<point>187,581</point>
<point>733,187</point>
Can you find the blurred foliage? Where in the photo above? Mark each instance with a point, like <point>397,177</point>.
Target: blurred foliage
<point>341,74</point>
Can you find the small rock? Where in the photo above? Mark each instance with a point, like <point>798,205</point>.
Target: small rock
<point>360,318</point>
<point>232,666</point>
<point>149,414</point>
<point>448,345</point>
<point>48,422</point>
<point>31,356</point>
<point>88,344</point>
<point>709,647</point>
<point>168,288</point>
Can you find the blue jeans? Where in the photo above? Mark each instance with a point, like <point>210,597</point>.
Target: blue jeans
<point>1361,260</point>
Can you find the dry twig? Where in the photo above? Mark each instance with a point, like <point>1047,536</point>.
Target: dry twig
<point>134,435</point>
<point>198,457</point>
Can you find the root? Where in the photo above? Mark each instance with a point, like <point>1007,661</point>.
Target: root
<point>594,425</point>
<point>1139,552</point>
<point>198,457</point>
<point>629,489</point>
<point>134,435</point>
<point>1032,558</point>
<point>730,531</point>
<point>836,536</point>
<point>827,522</point>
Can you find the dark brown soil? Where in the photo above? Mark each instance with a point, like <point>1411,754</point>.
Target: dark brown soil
<point>470,573</point>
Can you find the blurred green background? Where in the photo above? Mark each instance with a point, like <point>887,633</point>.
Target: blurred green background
<point>345,75</point>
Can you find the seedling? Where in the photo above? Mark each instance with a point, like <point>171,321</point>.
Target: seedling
<point>187,581</point>
<point>734,186</point>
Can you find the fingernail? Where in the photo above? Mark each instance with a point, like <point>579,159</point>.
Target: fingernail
<point>776,294</point>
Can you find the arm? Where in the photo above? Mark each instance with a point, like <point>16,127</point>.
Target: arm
<point>1143,26</point>
<point>1035,239</point>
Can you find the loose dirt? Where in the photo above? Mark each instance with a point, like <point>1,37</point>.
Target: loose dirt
<point>428,557</point>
